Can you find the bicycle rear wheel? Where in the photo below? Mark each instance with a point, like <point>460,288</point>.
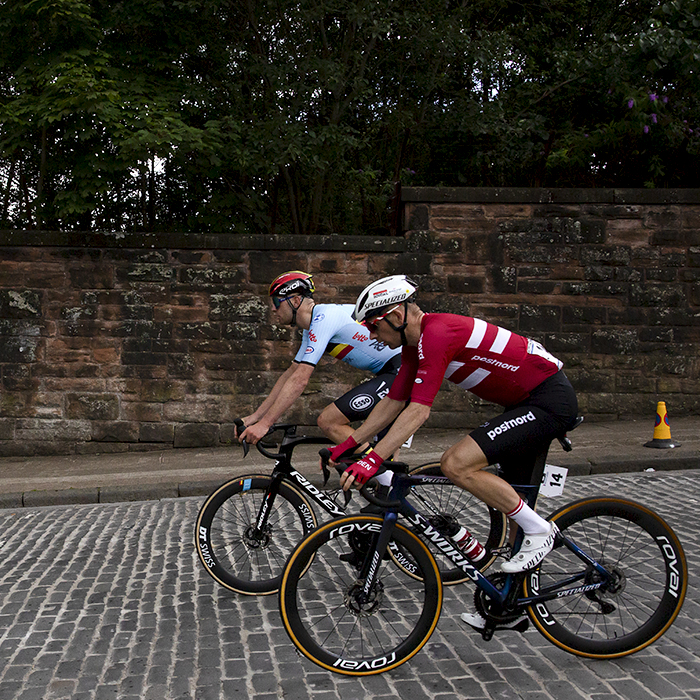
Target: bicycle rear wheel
<point>650,579</point>
<point>445,503</point>
<point>328,622</point>
<point>237,553</point>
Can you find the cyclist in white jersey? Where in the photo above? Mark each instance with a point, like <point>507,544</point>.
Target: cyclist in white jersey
<point>327,329</point>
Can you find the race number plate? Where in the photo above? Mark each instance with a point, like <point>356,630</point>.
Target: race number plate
<point>553,481</point>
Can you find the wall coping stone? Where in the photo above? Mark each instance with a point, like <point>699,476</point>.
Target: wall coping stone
<point>537,195</point>
<point>200,241</point>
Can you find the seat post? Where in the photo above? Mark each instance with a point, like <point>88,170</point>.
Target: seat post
<point>537,471</point>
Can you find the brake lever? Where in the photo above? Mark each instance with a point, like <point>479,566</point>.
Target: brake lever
<point>325,454</point>
<point>240,424</point>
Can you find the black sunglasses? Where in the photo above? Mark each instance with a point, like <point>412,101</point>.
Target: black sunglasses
<point>277,301</point>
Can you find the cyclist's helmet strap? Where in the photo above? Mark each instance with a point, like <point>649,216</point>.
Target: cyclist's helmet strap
<point>381,295</point>
<point>289,284</point>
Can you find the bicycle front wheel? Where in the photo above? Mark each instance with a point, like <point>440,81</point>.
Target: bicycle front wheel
<point>650,577</point>
<point>445,504</point>
<point>328,618</point>
<point>242,550</point>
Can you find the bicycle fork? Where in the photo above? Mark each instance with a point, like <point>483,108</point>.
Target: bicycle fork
<point>258,534</point>
<point>369,571</point>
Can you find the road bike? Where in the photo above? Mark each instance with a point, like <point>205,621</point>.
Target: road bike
<point>613,584</point>
<point>247,528</point>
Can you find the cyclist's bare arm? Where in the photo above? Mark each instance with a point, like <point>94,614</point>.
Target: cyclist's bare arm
<point>408,421</point>
<point>381,416</point>
<point>286,391</point>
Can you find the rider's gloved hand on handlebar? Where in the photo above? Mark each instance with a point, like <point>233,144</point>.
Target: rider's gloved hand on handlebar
<point>362,470</point>
<point>345,448</point>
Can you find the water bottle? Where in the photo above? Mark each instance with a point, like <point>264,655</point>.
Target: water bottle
<point>469,545</point>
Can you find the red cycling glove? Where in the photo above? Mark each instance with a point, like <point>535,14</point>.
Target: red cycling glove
<point>365,468</point>
<point>347,446</point>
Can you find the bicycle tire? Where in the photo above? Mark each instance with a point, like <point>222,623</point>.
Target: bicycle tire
<point>230,553</point>
<point>323,618</point>
<point>488,525</point>
<point>652,572</point>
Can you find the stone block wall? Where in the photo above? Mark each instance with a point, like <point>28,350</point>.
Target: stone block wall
<point>134,342</point>
<point>607,280</point>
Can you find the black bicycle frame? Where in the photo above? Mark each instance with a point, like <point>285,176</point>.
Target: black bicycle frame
<point>283,469</point>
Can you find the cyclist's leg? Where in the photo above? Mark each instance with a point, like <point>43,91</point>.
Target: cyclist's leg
<point>354,405</point>
<point>464,464</point>
<point>334,424</point>
<point>514,437</point>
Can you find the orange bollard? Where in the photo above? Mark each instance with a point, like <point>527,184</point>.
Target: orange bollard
<point>662,429</point>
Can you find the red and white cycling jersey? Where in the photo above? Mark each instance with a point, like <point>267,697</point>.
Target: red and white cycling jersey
<point>491,362</point>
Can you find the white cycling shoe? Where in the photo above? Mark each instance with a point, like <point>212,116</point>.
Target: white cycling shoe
<point>533,550</point>
<point>478,622</point>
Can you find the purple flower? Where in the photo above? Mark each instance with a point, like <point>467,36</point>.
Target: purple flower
<point>665,99</point>
<point>630,104</point>
<point>646,129</point>
<point>653,118</point>
<point>652,97</point>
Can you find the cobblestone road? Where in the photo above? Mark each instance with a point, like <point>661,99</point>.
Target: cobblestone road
<point>109,601</point>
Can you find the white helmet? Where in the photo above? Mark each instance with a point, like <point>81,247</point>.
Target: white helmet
<point>380,295</point>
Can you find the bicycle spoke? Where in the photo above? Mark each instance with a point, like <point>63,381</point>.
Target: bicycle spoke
<point>330,616</point>
<point>238,551</point>
<point>635,605</point>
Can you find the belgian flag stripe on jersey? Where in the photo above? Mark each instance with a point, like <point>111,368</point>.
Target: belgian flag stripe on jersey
<point>340,350</point>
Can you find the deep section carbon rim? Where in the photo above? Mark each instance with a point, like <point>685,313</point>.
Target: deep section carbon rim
<point>326,616</point>
<point>640,603</point>
<point>236,552</point>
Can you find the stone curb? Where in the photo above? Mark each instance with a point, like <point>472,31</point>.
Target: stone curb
<point>202,488</point>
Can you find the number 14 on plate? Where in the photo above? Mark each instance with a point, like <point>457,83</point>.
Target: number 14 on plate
<point>553,480</point>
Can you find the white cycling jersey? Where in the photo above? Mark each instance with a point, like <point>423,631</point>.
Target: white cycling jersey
<point>335,331</point>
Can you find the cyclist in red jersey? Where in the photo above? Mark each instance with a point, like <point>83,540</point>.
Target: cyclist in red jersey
<point>492,363</point>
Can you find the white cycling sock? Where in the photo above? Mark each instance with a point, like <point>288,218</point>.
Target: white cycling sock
<point>385,477</point>
<point>529,521</point>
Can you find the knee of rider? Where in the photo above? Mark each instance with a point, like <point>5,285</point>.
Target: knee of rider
<point>324,421</point>
<point>448,465</point>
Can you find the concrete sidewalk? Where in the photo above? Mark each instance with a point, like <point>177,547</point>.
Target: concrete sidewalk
<point>599,448</point>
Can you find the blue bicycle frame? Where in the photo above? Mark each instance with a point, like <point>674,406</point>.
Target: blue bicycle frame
<point>398,505</point>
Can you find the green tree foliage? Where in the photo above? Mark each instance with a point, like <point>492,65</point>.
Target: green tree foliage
<point>299,116</point>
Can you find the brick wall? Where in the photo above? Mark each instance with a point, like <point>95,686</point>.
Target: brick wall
<point>123,342</point>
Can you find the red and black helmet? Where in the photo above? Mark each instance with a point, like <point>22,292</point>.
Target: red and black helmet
<point>290,283</point>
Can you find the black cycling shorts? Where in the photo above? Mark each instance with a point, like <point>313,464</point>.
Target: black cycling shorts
<point>514,438</point>
<point>358,403</point>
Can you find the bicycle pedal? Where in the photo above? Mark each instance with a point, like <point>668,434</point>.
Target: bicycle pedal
<point>522,626</point>
<point>487,633</point>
